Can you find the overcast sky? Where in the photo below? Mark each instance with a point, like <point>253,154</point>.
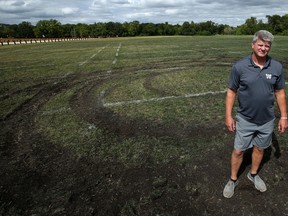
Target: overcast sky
<point>231,12</point>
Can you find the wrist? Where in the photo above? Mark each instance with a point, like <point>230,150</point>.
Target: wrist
<point>284,117</point>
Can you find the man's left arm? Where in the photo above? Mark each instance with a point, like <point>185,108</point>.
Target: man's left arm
<point>281,101</point>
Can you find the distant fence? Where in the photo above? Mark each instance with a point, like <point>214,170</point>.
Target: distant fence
<point>14,41</point>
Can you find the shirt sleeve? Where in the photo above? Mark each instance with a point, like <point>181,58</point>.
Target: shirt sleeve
<point>280,83</point>
<point>234,79</point>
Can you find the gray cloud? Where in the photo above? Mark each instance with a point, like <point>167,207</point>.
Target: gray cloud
<point>231,12</point>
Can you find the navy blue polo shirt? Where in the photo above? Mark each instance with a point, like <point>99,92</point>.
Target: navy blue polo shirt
<point>256,87</point>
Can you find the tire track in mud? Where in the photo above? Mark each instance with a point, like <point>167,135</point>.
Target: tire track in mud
<point>28,89</point>
<point>91,108</point>
<point>39,177</point>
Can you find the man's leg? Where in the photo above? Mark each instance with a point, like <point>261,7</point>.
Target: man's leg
<point>257,156</point>
<point>236,161</point>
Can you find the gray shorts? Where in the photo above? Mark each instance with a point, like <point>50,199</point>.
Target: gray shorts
<point>249,134</point>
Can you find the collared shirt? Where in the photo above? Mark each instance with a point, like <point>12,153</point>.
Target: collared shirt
<point>256,88</point>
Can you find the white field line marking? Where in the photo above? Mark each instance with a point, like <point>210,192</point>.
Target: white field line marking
<point>158,99</point>
<point>102,95</point>
<point>114,61</point>
<point>82,63</point>
<point>117,54</point>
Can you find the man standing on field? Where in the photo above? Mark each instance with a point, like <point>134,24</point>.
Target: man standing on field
<point>256,79</point>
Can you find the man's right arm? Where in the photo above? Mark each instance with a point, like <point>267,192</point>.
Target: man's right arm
<point>230,100</point>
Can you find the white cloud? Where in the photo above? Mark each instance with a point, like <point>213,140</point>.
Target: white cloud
<point>68,10</point>
<point>172,11</point>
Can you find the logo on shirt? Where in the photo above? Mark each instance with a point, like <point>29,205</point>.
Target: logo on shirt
<point>268,76</point>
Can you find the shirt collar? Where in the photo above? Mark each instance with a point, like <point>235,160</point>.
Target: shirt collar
<point>267,64</point>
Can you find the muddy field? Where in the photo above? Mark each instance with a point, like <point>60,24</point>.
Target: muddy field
<point>41,178</point>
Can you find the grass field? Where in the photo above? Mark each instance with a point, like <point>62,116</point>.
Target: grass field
<point>125,126</point>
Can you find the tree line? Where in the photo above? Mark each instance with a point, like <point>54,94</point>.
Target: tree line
<point>54,29</point>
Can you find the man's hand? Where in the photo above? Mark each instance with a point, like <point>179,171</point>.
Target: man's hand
<point>282,125</point>
<point>230,99</point>
<point>230,123</point>
<point>281,100</point>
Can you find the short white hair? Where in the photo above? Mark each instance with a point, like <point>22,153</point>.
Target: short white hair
<point>263,35</point>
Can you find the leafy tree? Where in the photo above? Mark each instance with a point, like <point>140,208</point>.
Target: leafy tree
<point>284,22</point>
<point>48,28</point>
<point>279,24</point>
<point>160,29</point>
<point>187,29</point>
<point>249,28</point>
<point>207,28</point>
<point>284,25</point>
<point>251,24</point>
<point>241,30</point>
<point>99,30</point>
<point>275,22</point>
<point>167,29</point>
<point>261,25</point>
<point>82,30</point>
<point>148,29</point>
<point>177,29</point>
<point>8,31</point>
<point>114,29</point>
<point>228,30</point>
<point>69,30</point>
<point>25,30</point>
<point>133,28</point>
<point>220,28</point>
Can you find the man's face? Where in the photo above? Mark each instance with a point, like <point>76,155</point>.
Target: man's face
<point>261,48</point>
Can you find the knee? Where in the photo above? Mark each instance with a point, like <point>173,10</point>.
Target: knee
<point>256,149</point>
<point>237,153</point>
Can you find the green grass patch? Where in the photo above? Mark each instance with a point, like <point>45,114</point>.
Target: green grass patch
<point>57,121</point>
<point>187,111</point>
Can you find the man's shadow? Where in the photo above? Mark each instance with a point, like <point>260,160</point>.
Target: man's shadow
<point>247,157</point>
